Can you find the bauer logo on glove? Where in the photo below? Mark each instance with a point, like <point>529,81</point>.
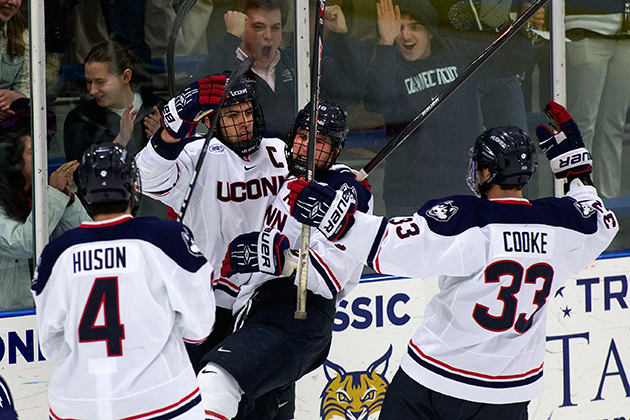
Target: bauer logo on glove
<point>563,146</point>
<point>320,206</point>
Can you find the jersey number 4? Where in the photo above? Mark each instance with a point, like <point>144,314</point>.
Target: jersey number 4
<point>507,294</point>
<point>103,300</point>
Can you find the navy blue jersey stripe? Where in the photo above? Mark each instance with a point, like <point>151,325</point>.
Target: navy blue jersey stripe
<point>473,381</point>
<point>376,243</point>
<point>161,192</point>
<point>465,212</point>
<point>181,410</point>
<point>322,272</point>
<point>173,238</point>
<point>226,289</point>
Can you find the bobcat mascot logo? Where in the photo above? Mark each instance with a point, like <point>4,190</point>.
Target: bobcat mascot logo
<point>354,395</point>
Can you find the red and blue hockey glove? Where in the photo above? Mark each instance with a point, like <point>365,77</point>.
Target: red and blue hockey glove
<point>563,146</point>
<point>181,115</point>
<point>256,251</point>
<point>321,206</point>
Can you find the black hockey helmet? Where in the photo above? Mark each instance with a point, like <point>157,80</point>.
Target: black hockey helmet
<point>238,99</point>
<point>332,121</point>
<point>108,174</point>
<point>508,153</point>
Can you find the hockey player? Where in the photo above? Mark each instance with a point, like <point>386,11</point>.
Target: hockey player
<point>115,297</point>
<point>270,349</point>
<point>479,353</point>
<point>241,174</point>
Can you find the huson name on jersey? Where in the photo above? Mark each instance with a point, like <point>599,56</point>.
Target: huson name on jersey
<point>99,259</point>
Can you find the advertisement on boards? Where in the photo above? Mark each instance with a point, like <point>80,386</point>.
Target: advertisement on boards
<point>586,365</point>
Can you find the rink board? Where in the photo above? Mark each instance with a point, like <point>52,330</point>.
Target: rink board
<point>586,367</point>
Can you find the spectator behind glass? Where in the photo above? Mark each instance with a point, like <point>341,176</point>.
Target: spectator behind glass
<point>500,92</point>
<point>14,65</point>
<point>116,113</point>
<point>598,91</point>
<point>255,29</point>
<point>413,63</point>
<point>16,217</point>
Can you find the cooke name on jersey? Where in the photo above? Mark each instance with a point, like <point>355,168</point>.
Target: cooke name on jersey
<point>525,241</point>
<point>99,259</point>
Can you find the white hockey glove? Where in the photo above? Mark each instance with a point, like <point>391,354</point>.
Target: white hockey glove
<point>256,251</point>
<point>321,206</point>
<point>564,146</point>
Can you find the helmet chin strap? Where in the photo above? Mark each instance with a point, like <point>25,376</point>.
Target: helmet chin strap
<point>484,188</point>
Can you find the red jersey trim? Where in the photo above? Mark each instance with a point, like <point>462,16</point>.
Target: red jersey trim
<point>110,222</point>
<point>474,374</point>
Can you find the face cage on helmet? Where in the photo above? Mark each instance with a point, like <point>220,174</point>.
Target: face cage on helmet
<point>242,147</point>
<point>322,163</point>
<point>471,177</point>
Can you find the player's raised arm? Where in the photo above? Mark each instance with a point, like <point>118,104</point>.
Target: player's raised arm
<point>181,115</point>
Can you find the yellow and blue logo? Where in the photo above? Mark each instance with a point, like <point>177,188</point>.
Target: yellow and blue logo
<point>354,395</point>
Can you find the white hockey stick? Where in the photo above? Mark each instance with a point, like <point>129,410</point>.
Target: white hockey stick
<point>302,272</point>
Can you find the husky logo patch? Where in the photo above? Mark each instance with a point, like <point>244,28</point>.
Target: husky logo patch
<point>354,395</point>
<point>190,243</point>
<point>442,212</point>
<point>216,149</point>
<point>585,208</point>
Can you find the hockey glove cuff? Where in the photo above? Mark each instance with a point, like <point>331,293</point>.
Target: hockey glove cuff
<point>321,206</point>
<point>564,146</point>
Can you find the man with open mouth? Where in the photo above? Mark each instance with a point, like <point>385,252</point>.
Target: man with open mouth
<point>257,29</point>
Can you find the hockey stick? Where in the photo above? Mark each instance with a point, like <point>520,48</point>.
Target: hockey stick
<point>172,37</point>
<point>300,312</point>
<point>468,71</point>
<point>240,69</point>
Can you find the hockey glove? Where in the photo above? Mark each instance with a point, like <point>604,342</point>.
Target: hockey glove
<point>181,115</point>
<point>256,251</point>
<point>321,206</point>
<point>563,146</point>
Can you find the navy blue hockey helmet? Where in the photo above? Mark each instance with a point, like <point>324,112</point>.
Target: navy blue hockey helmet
<point>332,121</point>
<point>508,153</point>
<point>108,174</point>
<point>240,107</point>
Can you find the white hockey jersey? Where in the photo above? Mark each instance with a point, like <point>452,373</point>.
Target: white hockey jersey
<point>332,272</point>
<point>498,262</point>
<point>115,302</point>
<point>230,198</point>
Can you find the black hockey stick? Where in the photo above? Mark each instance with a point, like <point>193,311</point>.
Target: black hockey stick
<point>468,71</point>
<point>172,37</point>
<point>300,312</point>
<point>240,69</point>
